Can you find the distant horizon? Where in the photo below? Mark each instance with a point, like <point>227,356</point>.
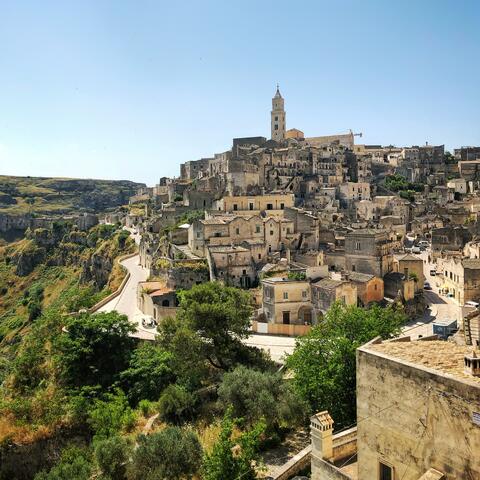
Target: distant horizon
<point>131,90</point>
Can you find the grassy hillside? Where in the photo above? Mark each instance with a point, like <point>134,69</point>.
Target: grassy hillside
<point>22,195</point>
<point>53,270</point>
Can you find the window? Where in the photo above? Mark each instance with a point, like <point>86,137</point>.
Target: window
<point>198,234</point>
<point>354,268</point>
<point>375,288</point>
<point>257,228</point>
<point>235,206</point>
<point>286,317</point>
<point>271,232</point>
<point>282,206</point>
<point>244,272</point>
<point>259,256</point>
<point>250,206</point>
<point>304,294</point>
<point>357,245</point>
<point>385,472</point>
<point>276,119</point>
<point>285,295</point>
<point>237,231</point>
<point>269,206</point>
<point>276,127</point>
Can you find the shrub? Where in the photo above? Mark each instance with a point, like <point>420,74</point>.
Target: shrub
<point>75,464</point>
<point>172,454</point>
<point>112,414</point>
<point>112,455</point>
<point>176,404</point>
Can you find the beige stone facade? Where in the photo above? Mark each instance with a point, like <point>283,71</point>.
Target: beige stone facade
<point>287,301</point>
<point>272,204</point>
<point>412,267</point>
<point>417,410</point>
<point>369,288</point>
<point>327,291</point>
<point>461,279</point>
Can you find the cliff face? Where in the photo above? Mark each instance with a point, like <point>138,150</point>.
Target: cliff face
<point>24,197</point>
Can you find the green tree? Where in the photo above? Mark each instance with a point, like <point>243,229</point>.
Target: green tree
<point>94,349</point>
<point>174,453</point>
<point>254,395</point>
<point>219,317</point>
<point>75,464</point>
<point>323,361</point>
<point>112,455</point>
<point>110,415</point>
<point>148,373</point>
<point>176,404</point>
<point>234,458</point>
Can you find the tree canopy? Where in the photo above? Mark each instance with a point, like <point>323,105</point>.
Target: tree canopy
<point>254,395</point>
<point>212,320</point>
<point>94,349</point>
<point>324,362</point>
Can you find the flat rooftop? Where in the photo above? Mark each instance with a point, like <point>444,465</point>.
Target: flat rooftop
<point>444,357</point>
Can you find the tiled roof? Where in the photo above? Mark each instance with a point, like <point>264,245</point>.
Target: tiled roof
<point>328,283</point>
<point>360,277</point>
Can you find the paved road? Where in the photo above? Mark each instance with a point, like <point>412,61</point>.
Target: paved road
<point>441,307</point>
<point>126,302</point>
<point>277,346</point>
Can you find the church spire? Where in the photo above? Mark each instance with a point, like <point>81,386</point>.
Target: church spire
<point>278,120</point>
<point>278,94</point>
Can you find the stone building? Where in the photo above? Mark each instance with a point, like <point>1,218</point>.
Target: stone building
<point>327,291</point>
<point>156,299</point>
<point>233,265</point>
<point>418,416</point>
<point>369,251</point>
<point>461,279</point>
<point>449,239</point>
<point>369,288</point>
<point>398,285</point>
<point>272,204</point>
<point>287,301</point>
<point>351,192</point>
<point>418,410</point>
<point>412,267</point>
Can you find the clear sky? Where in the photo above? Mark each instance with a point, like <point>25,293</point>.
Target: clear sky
<point>131,89</point>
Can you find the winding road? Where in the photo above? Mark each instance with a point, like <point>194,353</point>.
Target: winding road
<point>126,302</point>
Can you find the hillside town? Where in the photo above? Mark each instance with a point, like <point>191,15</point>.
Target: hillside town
<point>306,222</point>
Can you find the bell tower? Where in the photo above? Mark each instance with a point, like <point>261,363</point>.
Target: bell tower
<point>278,123</point>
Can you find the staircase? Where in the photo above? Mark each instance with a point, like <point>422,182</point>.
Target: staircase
<point>467,330</point>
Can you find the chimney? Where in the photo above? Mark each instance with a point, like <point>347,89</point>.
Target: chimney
<point>472,364</point>
<point>321,432</point>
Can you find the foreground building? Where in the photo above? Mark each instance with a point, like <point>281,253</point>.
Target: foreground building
<point>418,414</point>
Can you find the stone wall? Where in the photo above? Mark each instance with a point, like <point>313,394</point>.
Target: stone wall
<point>415,418</point>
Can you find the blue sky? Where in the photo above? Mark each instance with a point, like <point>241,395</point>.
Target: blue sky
<point>130,89</point>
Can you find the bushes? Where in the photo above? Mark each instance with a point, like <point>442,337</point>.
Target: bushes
<point>112,455</point>
<point>176,404</point>
<point>253,395</point>
<point>233,458</point>
<point>109,416</point>
<point>172,454</point>
<point>75,464</point>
